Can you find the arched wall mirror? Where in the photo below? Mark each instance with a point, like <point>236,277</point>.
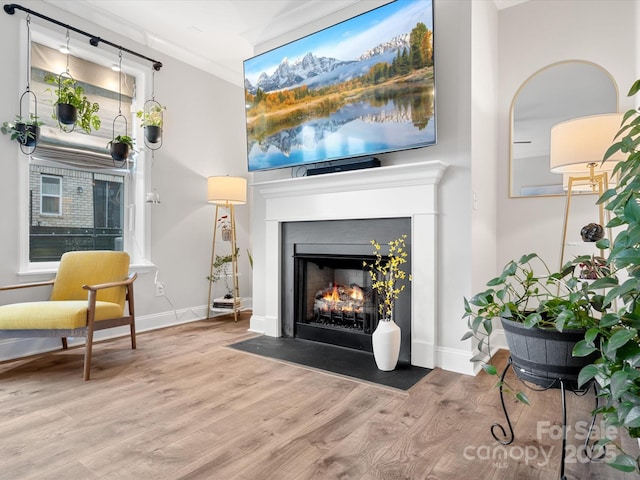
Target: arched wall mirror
<point>556,93</point>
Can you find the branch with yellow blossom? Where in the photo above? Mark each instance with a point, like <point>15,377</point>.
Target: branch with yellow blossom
<point>385,274</point>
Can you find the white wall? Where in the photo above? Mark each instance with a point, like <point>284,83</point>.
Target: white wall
<point>204,135</point>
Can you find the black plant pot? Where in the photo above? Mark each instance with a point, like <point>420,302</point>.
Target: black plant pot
<point>29,134</point>
<point>67,113</point>
<point>119,151</point>
<point>152,133</point>
<point>543,356</point>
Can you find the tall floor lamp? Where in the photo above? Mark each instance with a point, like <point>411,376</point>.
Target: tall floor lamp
<point>577,149</point>
<point>226,192</point>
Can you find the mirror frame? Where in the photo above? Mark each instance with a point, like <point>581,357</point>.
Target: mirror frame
<point>513,104</point>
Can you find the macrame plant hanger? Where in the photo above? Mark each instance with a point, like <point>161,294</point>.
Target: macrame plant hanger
<point>119,150</point>
<point>153,109</point>
<point>66,113</point>
<point>31,135</point>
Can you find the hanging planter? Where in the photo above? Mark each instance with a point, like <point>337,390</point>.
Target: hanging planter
<point>120,147</point>
<point>72,105</point>
<point>73,108</point>
<point>29,134</point>
<point>67,114</point>
<point>152,120</point>
<point>25,132</point>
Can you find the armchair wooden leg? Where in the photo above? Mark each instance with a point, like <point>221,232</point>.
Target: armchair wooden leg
<point>132,313</point>
<point>87,354</point>
<point>133,336</point>
<point>65,345</point>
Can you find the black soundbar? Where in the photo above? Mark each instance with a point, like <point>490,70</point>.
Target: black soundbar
<point>367,163</point>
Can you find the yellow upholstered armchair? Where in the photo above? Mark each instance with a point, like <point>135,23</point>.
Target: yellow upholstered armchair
<point>89,293</point>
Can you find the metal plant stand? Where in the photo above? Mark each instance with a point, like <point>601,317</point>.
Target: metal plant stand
<point>547,383</point>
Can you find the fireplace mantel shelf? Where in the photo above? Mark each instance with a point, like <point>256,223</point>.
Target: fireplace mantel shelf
<point>420,173</point>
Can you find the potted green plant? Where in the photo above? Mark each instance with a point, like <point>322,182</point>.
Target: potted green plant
<point>152,121</point>
<point>26,132</point>
<point>537,308</point>
<point>615,338</point>
<point>386,275</point>
<point>120,147</point>
<point>221,266</point>
<point>72,105</point>
<point>592,267</point>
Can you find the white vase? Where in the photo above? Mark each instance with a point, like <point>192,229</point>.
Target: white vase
<point>386,344</point>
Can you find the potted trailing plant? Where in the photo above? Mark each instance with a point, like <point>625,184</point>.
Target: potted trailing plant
<point>592,267</point>
<point>534,305</point>
<point>386,275</point>
<point>26,132</point>
<point>72,105</point>
<point>152,121</point>
<point>221,266</point>
<point>120,147</point>
<point>615,338</point>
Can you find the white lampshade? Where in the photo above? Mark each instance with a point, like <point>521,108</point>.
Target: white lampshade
<point>581,142</point>
<point>227,190</point>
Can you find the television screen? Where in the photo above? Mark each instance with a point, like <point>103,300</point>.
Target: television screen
<point>359,88</point>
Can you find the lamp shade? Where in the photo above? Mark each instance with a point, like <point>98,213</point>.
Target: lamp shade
<point>580,143</point>
<point>227,190</point>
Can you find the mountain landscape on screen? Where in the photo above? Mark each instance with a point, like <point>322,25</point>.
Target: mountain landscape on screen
<point>359,88</point>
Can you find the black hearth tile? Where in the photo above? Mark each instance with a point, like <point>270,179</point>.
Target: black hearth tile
<point>331,358</point>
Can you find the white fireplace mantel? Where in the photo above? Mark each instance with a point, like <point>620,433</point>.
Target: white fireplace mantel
<point>408,190</point>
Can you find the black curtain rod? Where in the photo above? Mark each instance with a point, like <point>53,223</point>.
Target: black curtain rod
<point>94,40</point>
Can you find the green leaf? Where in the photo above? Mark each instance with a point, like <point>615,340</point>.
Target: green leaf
<point>488,326</point>
<point>619,338</point>
<point>633,90</point>
<point>626,287</point>
<point>624,463</point>
<point>490,369</point>
<point>532,319</point>
<point>604,282</point>
<point>478,357</point>
<point>522,397</point>
<point>586,374</point>
<point>582,349</point>
<point>590,335</point>
<point>466,336</point>
<point>632,420</point>
<point>632,210</point>
<point>608,320</point>
<point>612,191</point>
<point>620,383</point>
<point>527,258</point>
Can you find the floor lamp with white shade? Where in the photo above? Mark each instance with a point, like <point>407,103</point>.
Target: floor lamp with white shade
<point>577,150</point>
<point>226,192</point>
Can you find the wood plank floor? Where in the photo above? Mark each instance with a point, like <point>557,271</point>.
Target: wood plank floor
<point>185,406</point>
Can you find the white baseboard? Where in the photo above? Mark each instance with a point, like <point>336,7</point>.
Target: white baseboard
<point>459,360</point>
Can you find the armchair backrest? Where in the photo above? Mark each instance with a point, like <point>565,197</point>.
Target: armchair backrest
<point>91,268</point>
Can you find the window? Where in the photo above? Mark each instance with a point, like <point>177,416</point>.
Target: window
<point>50,195</point>
<point>74,196</point>
<point>80,210</point>
<point>107,204</point>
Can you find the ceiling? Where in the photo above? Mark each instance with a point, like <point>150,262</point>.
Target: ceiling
<point>212,35</point>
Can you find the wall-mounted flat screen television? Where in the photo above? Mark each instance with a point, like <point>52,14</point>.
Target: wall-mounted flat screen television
<point>359,88</point>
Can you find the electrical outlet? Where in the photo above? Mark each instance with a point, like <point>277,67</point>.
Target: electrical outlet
<point>159,289</point>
